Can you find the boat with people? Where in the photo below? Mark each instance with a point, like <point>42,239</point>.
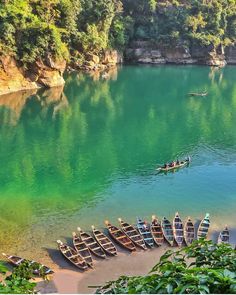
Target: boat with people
<point>174,165</point>
<point>203,228</point>
<point>72,255</point>
<point>198,93</point>
<point>120,237</point>
<point>133,234</point>
<point>189,231</point>
<point>178,229</point>
<point>106,244</point>
<point>167,231</point>
<point>156,231</point>
<point>224,236</point>
<point>92,244</point>
<point>145,231</point>
<point>38,268</point>
<point>82,249</point>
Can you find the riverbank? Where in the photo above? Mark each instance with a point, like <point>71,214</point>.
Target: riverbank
<point>68,280</point>
<point>49,73</point>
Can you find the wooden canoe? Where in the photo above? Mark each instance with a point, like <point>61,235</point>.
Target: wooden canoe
<point>38,267</point>
<point>203,227</point>
<point>133,234</point>
<point>92,244</point>
<point>224,236</point>
<point>82,249</point>
<point>189,232</point>
<point>156,231</point>
<point>198,93</point>
<point>171,168</point>
<point>178,229</point>
<point>120,237</point>
<point>73,256</point>
<point>104,242</point>
<point>144,229</point>
<point>167,231</point>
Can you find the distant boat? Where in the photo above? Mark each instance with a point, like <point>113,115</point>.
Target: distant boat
<point>73,256</point>
<point>189,231</point>
<point>133,234</point>
<point>156,231</point>
<point>82,249</point>
<point>144,230</point>
<point>92,244</point>
<point>167,231</point>
<point>224,236</point>
<point>120,237</point>
<point>104,242</point>
<point>178,229</point>
<point>198,93</point>
<point>38,267</point>
<point>204,227</point>
<point>166,168</point>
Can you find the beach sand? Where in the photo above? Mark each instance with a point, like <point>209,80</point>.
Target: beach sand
<point>67,279</point>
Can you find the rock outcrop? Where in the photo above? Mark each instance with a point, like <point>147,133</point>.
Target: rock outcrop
<point>152,53</point>
<point>230,53</point>
<point>41,74</point>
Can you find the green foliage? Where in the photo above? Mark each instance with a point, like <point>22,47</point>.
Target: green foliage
<point>201,268</point>
<point>33,29</point>
<point>20,280</point>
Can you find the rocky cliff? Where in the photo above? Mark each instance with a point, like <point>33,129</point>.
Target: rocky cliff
<point>49,73</point>
<point>151,53</point>
<point>41,74</point>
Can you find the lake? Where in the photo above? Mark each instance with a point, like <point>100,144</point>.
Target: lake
<point>86,153</point>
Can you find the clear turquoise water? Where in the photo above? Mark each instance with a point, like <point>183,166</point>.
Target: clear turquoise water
<point>89,153</point>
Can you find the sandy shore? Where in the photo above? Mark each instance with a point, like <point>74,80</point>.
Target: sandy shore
<point>68,279</point>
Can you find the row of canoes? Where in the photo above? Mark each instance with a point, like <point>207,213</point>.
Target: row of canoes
<point>130,237</point>
<point>142,235</point>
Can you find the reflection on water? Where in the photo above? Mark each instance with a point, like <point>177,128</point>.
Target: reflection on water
<point>90,149</point>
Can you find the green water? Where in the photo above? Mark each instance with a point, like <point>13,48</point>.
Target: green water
<point>89,153</point>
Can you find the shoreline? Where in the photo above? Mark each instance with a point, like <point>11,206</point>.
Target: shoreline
<point>67,279</point>
<point>35,87</point>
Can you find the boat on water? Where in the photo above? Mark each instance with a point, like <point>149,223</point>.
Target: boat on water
<point>178,229</point>
<point>120,237</point>
<point>82,249</point>
<point>204,227</point>
<point>72,255</point>
<point>167,231</point>
<point>198,93</point>
<point>105,243</point>
<point>92,244</point>
<point>224,236</point>
<point>156,231</point>
<point>39,269</point>
<point>133,234</point>
<point>189,231</point>
<point>145,231</point>
<point>174,165</point>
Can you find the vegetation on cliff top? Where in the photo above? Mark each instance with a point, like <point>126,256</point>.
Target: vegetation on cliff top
<point>212,271</point>
<point>72,29</point>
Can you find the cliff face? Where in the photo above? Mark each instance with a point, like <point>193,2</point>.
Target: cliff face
<point>147,52</point>
<point>14,78</point>
<point>49,73</point>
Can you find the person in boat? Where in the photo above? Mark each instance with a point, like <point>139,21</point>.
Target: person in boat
<point>172,164</point>
<point>177,162</point>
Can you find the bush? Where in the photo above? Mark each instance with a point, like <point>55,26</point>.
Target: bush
<point>201,268</point>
